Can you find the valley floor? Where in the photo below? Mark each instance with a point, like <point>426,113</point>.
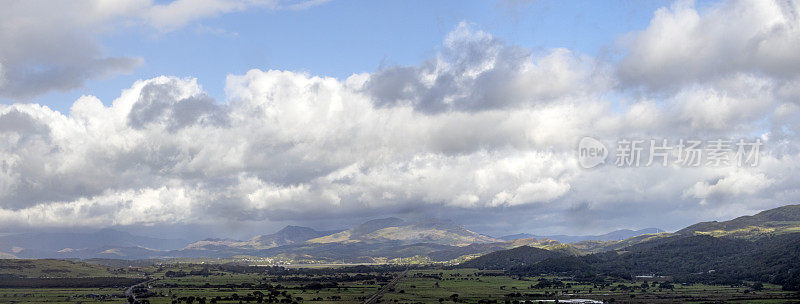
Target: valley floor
<point>197,284</point>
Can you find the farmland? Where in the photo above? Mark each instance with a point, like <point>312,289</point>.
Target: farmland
<point>239,283</point>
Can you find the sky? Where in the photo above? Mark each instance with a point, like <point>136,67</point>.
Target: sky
<point>232,118</point>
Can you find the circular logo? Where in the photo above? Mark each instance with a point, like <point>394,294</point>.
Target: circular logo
<point>591,152</point>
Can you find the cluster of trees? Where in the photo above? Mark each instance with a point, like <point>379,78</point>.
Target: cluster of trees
<point>345,277</point>
<point>271,296</point>
<point>330,298</point>
<point>545,283</point>
<point>283,271</point>
<point>507,259</point>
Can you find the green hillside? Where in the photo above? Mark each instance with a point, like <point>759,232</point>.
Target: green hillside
<point>52,269</point>
<point>695,258</point>
<point>392,229</point>
<point>762,247</point>
<point>515,257</point>
<point>780,220</point>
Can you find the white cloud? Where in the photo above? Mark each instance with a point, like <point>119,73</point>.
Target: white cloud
<point>735,184</point>
<point>289,143</point>
<point>476,72</point>
<point>481,126</point>
<point>684,44</point>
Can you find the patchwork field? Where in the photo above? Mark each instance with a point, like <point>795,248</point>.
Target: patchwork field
<point>473,286</point>
<point>229,283</point>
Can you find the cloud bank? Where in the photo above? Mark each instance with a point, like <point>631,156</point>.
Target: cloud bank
<point>481,127</point>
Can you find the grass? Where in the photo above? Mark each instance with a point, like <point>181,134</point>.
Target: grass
<point>58,269</point>
<point>419,286</point>
<point>472,286</point>
<point>61,295</point>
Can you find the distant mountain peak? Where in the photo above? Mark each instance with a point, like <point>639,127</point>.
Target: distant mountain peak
<point>219,240</point>
<point>431,230</point>
<point>375,225</point>
<point>79,244</point>
<point>291,229</point>
<point>615,235</point>
<point>287,235</point>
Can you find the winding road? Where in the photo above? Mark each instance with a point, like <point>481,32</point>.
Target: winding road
<point>129,291</point>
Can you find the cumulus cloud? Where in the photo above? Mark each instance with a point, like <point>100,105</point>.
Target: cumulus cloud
<point>735,184</point>
<point>286,143</point>
<point>165,102</point>
<point>684,44</point>
<point>49,45</point>
<point>477,71</point>
<point>481,127</point>
<point>290,144</point>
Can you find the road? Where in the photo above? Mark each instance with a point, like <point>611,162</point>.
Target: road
<point>374,298</point>
<point>129,291</point>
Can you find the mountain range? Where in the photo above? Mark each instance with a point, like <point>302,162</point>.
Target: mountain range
<point>375,240</point>
<point>286,236</point>
<point>380,240</point>
<point>394,229</point>
<point>762,247</point>
<point>611,236</point>
<point>55,244</point>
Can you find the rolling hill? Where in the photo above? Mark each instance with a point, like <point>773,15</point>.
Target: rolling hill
<point>616,235</point>
<point>763,247</point>
<point>373,241</point>
<point>286,236</point>
<point>380,240</point>
<point>52,269</point>
<point>785,219</point>
<point>55,241</point>
<point>104,243</point>
<point>781,220</point>
<point>392,229</point>
<point>511,258</point>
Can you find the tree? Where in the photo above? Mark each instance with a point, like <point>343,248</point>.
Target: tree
<point>666,285</point>
<point>454,297</point>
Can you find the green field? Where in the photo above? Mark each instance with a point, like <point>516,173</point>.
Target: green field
<point>472,286</point>
<point>47,268</point>
<point>228,283</point>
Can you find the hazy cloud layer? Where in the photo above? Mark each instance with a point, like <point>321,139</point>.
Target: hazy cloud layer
<point>52,45</point>
<point>481,128</point>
